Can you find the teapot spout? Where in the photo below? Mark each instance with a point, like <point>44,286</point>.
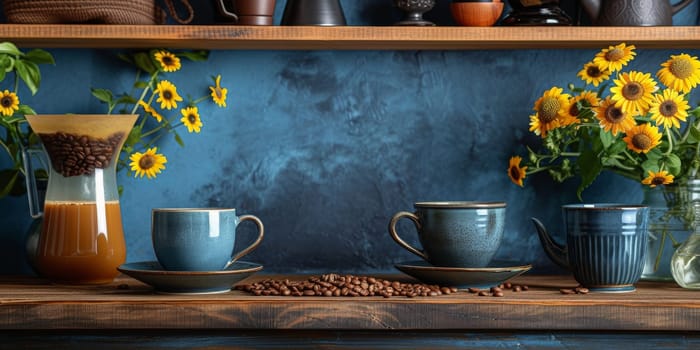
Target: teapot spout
<point>679,6</point>
<point>592,8</point>
<point>555,251</point>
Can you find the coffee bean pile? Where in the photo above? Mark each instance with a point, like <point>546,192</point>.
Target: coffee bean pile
<point>577,290</point>
<point>334,285</point>
<point>499,291</point>
<point>73,155</point>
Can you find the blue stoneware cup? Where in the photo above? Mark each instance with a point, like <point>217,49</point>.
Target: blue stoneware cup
<point>198,239</point>
<point>455,234</point>
<point>605,244</point>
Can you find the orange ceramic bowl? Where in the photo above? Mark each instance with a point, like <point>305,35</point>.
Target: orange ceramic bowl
<point>476,14</point>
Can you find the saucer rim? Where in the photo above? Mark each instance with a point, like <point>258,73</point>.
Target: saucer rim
<point>411,265</point>
<point>255,267</point>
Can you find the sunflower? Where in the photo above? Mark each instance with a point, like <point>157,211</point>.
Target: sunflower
<point>669,108</point>
<point>9,103</point>
<point>592,73</point>
<point>168,61</point>
<point>586,99</point>
<point>515,171</point>
<point>680,72</point>
<point>613,118</point>
<point>614,58</point>
<point>551,111</point>
<point>218,94</point>
<point>642,138</point>
<point>167,95</point>
<point>633,92</point>
<point>150,110</point>
<point>149,163</point>
<point>190,117</point>
<point>656,179</point>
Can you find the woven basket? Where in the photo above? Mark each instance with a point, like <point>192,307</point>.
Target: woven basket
<point>82,11</point>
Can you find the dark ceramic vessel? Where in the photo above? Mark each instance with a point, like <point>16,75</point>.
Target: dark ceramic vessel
<point>313,13</point>
<point>606,244</point>
<point>414,10</point>
<point>536,13</point>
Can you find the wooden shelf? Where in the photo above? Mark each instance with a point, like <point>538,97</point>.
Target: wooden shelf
<point>344,38</point>
<point>32,304</point>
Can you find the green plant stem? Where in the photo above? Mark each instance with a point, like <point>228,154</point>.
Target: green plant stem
<point>670,143</point>
<point>570,154</point>
<point>145,91</point>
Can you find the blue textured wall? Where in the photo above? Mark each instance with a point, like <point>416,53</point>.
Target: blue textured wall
<point>324,146</point>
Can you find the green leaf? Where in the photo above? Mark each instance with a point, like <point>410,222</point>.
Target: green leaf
<point>144,62</point>
<point>103,95</point>
<point>178,139</point>
<point>24,110</point>
<point>617,148</point>
<point>673,164</point>
<point>200,55</point>
<point>29,73</point>
<point>134,135</point>
<point>650,165</point>
<point>126,99</point>
<point>10,48</point>
<point>655,155</point>
<point>140,84</point>
<point>39,56</point>
<point>590,167</point>
<point>8,178</point>
<point>606,138</point>
<point>694,135</point>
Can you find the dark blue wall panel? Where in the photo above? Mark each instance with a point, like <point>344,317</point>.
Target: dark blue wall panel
<point>324,146</point>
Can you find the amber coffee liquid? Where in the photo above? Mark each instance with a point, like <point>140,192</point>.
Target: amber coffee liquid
<point>81,242</point>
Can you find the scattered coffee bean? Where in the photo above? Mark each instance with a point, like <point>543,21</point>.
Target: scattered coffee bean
<point>496,289</point>
<point>524,287</point>
<point>344,285</point>
<point>498,294</point>
<point>507,285</point>
<point>73,155</point>
<point>517,289</point>
<point>581,290</point>
<point>567,291</point>
<point>483,293</point>
<point>474,290</point>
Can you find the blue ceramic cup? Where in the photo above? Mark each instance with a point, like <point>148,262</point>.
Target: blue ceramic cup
<point>605,244</point>
<point>198,239</point>
<point>455,234</point>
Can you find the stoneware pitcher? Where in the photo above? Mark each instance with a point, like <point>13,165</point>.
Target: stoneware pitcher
<point>633,12</point>
<point>605,244</point>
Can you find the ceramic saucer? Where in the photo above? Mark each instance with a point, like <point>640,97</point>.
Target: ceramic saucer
<point>461,277</point>
<point>189,282</point>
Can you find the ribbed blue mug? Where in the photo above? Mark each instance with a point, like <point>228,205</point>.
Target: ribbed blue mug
<point>605,244</point>
<point>198,239</point>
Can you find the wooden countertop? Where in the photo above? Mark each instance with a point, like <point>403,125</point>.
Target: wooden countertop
<point>34,304</point>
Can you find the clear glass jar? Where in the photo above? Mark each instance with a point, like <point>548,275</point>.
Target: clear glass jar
<point>670,224</point>
<point>685,263</point>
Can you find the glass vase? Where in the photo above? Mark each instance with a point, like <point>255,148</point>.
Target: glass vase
<point>670,224</point>
<point>685,263</point>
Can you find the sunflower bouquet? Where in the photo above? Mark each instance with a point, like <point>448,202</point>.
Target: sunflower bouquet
<point>156,100</point>
<point>626,122</point>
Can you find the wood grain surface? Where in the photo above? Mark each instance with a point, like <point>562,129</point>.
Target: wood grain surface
<point>34,304</point>
<point>344,37</point>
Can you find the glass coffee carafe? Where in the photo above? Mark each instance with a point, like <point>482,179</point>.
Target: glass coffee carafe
<point>81,239</point>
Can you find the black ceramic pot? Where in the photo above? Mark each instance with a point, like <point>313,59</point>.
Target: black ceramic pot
<point>536,13</point>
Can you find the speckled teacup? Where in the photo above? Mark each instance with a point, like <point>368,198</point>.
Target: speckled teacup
<point>455,234</point>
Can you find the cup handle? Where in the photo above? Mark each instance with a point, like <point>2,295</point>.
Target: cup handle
<point>261,233</point>
<point>401,242</point>
<point>224,11</point>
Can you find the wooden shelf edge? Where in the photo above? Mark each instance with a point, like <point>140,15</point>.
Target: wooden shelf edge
<point>343,38</point>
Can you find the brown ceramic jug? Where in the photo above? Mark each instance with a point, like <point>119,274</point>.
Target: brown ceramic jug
<point>247,12</point>
<point>632,12</point>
